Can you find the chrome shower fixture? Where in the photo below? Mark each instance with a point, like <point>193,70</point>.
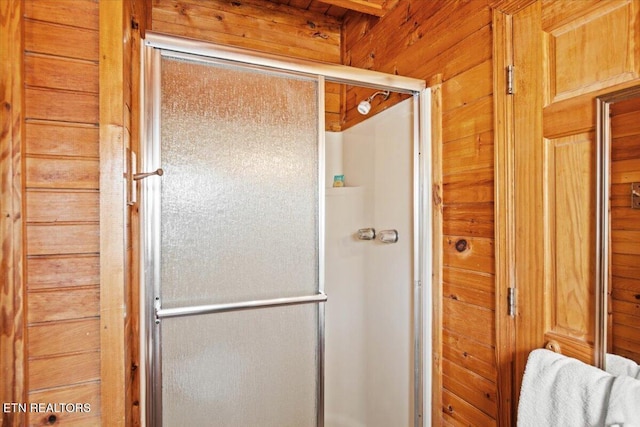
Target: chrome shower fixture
<point>365,106</point>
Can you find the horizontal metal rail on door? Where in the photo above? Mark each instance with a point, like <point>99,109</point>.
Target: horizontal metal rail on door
<point>162,313</point>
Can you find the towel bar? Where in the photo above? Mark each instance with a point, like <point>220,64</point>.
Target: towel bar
<point>245,305</point>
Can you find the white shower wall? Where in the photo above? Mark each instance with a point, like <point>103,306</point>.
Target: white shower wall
<point>369,335</point>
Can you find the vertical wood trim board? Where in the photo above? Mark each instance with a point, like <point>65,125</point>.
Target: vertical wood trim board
<point>436,297</point>
<point>142,16</point>
<point>12,290</point>
<point>504,205</point>
<point>530,219</point>
<point>112,224</point>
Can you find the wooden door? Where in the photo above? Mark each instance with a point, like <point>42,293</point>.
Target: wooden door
<point>565,54</point>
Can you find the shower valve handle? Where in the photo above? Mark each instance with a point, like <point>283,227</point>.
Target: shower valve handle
<point>384,236</point>
<point>366,234</point>
<point>388,236</point>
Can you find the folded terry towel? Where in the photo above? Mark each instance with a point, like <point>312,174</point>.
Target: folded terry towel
<point>561,391</point>
<point>624,402</point>
<point>618,365</point>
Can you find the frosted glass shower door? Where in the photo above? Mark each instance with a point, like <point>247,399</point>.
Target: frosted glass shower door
<point>237,285</point>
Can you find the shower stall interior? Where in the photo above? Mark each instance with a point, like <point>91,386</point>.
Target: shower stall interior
<point>370,362</point>
<point>270,297</point>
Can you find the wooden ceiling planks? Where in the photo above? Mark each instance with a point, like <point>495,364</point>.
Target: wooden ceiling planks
<point>370,7</point>
<point>340,8</point>
<point>252,24</point>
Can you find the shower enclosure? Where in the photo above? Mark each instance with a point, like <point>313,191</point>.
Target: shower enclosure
<point>369,377</point>
<point>235,216</point>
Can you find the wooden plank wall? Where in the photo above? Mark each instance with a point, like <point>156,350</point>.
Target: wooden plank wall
<point>449,39</point>
<point>624,304</point>
<point>452,39</point>
<point>61,207</point>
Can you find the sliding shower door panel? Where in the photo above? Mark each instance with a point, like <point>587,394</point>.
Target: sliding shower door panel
<point>239,193</point>
<point>246,368</point>
<point>239,227</point>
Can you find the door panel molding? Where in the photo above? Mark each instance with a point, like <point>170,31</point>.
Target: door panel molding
<point>552,186</point>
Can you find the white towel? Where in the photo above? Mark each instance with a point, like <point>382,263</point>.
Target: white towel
<point>562,391</point>
<point>618,365</point>
<point>624,402</point>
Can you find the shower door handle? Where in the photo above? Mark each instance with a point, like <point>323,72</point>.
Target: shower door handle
<point>139,176</point>
<point>235,306</point>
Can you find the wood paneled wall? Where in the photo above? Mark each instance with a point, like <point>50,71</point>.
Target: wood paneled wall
<point>452,40</point>
<point>54,122</point>
<point>624,303</point>
<point>61,150</point>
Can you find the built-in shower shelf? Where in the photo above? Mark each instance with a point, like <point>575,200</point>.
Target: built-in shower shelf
<point>343,191</point>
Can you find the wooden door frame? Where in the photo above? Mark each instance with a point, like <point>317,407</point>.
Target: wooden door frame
<point>512,182</point>
<point>117,313</point>
<point>504,171</point>
<point>435,83</point>
<point>12,233</point>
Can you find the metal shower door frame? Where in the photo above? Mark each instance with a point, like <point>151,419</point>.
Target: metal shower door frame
<point>153,47</point>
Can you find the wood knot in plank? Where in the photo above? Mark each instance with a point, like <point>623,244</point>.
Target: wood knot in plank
<point>461,245</point>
